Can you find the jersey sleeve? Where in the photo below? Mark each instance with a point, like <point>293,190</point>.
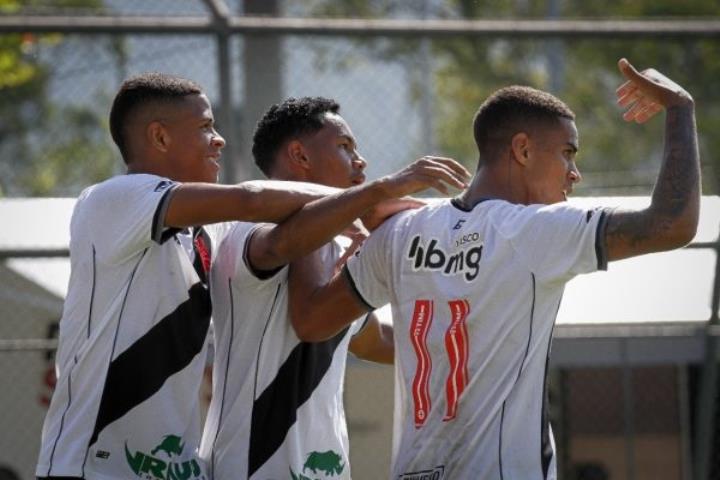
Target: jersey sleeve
<point>217,231</point>
<point>236,250</point>
<point>558,241</point>
<point>368,271</point>
<point>126,214</point>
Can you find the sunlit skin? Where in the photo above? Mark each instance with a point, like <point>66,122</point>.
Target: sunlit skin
<point>332,155</point>
<point>537,167</point>
<point>550,171</point>
<point>181,140</point>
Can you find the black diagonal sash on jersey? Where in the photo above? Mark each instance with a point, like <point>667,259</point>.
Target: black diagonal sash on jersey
<point>168,347</point>
<point>275,410</point>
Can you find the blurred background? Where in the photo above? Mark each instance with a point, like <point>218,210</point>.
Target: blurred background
<point>633,376</point>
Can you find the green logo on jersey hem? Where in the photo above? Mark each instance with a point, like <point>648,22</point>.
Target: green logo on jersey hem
<point>148,466</point>
<point>328,463</point>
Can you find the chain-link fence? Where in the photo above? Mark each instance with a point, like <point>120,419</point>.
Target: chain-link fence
<point>404,95</point>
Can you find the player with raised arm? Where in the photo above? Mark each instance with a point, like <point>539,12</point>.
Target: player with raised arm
<point>475,282</point>
<point>132,343</point>
<point>277,406</point>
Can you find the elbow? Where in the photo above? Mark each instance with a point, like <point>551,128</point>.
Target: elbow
<point>681,233</point>
<point>308,325</point>
<point>309,331</point>
<point>686,235</point>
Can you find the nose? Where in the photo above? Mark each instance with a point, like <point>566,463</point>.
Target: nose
<point>574,174</point>
<point>218,140</point>
<point>359,162</point>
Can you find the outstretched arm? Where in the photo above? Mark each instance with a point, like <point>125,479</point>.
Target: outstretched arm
<point>319,221</point>
<point>672,217</point>
<point>252,201</point>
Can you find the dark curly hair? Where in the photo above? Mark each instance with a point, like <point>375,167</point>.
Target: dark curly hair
<point>140,91</point>
<point>511,110</point>
<point>286,121</point>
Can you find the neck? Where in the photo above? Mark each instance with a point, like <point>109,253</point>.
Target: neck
<point>493,182</point>
<point>146,162</point>
<point>281,171</point>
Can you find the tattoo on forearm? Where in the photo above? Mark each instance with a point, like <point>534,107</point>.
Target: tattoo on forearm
<point>677,184</point>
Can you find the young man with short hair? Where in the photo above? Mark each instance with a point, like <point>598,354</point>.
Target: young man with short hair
<point>475,282</point>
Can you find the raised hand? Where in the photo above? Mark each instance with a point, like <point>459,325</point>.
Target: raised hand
<point>427,172</point>
<point>646,93</point>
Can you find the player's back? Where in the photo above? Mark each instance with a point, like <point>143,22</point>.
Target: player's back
<point>474,296</point>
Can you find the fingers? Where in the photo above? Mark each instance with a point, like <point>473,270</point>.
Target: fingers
<point>456,167</point>
<point>628,95</point>
<point>648,87</point>
<point>444,170</point>
<point>643,113</point>
<point>439,173</point>
<point>649,112</point>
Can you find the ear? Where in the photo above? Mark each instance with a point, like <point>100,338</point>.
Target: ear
<point>158,136</point>
<point>297,154</point>
<point>520,146</point>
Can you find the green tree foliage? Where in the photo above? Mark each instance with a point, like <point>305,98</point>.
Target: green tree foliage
<point>615,157</point>
<point>36,159</point>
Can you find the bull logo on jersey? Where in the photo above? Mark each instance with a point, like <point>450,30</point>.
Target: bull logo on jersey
<point>170,445</point>
<point>158,463</point>
<point>328,463</point>
<point>464,261</point>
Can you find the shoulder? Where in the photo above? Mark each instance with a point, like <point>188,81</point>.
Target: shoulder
<point>234,233</point>
<point>126,185</point>
<point>434,208</point>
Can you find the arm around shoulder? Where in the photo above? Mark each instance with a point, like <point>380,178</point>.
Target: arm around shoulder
<point>252,201</point>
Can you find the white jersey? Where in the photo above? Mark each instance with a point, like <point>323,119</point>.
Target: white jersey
<point>277,407</point>
<point>474,296</point>
<point>132,341</point>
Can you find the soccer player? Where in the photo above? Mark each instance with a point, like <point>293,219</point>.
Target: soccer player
<point>132,344</point>
<point>475,282</point>
<point>276,409</point>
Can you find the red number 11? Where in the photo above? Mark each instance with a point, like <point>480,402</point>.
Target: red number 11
<point>456,345</point>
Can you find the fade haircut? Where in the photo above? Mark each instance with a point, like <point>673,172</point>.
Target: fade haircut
<point>140,91</point>
<point>289,120</point>
<point>512,110</point>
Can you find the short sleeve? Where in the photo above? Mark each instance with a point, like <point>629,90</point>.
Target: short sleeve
<point>368,271</point>
<point>236,247</point>
<point>126,214</point>
<point>557,241</point>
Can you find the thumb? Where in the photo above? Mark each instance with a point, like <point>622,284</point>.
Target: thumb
<point>628,70</point>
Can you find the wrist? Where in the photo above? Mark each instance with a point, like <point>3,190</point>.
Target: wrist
<point>381,189</point>
<point>684,101</point>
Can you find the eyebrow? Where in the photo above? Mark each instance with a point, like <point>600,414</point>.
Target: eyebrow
<point>349,139</point>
